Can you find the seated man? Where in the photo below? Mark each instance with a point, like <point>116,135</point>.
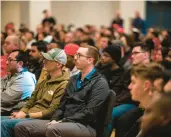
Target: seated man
<point>36,59</point>
<point>142,90</point>
<point>17,86</point>
<point>110,68</point>
<point>46,97</point>
<point>79,108</point>
<point>11,43</point>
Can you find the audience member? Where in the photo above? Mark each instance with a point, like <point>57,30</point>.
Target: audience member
<point>11,43</point>
<point>29,35</point>
<point>110,68</point>
<point>103,43</point>
<point>117,20</point>
<point>139,23</point>
<point>71,50</point>
<point>36,58</point>
<point>17,86</point>
<point>142,90</point>
<point>140,55</point>
<point>48,19</point>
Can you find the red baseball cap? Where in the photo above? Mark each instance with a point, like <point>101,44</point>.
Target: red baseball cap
<point>71,49</point>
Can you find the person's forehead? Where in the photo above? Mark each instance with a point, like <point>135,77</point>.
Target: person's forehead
<point>8,39</point>
<point>53,45</point>
<point>136,78</point>
<point>105,53</point>
<point>82,50</point>
<point>104,38</point>
<point>138,48</point>
<point>68,35</point>
<point>13,55</point>
<point>34,47</point>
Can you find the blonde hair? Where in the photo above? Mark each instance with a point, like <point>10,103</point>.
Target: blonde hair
<point>147,71</point>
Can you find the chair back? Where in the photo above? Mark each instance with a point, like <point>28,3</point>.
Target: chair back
<point>105,115</point>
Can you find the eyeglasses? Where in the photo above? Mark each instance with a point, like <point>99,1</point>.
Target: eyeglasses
<point>135,53</point>
<point>32,51</point>
<point>10,60</point>
<point>78,55</point>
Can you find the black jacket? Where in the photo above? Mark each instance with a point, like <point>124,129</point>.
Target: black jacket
<point>36,68</point>
<point>117,82</point>
<point>82,105</point>
<point>128,124</point>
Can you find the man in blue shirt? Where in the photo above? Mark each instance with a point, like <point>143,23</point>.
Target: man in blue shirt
<point>139,23</point>
<point>17,86</point>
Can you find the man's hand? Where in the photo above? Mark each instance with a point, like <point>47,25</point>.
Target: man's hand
<point>18,115</point>
<point>53,122</point>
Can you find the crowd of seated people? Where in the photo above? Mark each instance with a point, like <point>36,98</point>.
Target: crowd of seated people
<point>85,82</point>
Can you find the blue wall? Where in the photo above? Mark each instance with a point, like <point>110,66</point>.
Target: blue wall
<point>158,14</point>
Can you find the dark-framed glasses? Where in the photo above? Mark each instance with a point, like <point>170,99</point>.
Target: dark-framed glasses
<point>135,53</point>
<point>10,60</point>
<point>78,55</point>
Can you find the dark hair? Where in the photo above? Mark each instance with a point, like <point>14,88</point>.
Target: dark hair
<point>31,32</point>
<point>150,44</point>
<point>155,34</point>
<point>22,56</point>
<point>106,36</point>
<point>44,11</point>
<point>58,43</point>
<point>57,35</point>
<point>80,30</point>
<point>144,47</point>
<point>41,46</point>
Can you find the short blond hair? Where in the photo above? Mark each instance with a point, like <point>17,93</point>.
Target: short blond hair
<point>147,71</point>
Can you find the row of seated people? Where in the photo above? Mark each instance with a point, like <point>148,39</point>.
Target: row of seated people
<point>77,111</point>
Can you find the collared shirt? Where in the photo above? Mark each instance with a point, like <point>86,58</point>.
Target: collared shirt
<point>74,71</point>
<point>79,81</point>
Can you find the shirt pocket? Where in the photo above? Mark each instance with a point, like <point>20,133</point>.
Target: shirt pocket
<point>48,96</point>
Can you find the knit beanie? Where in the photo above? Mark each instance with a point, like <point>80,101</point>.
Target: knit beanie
<point>114,51</point>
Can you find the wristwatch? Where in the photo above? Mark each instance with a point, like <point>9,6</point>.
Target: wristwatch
<point>27,115</point>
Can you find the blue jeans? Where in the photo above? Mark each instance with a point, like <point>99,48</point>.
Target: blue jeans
<point>7,125</point>
<point>117,112</point>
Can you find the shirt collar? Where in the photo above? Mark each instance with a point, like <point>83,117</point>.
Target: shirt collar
<point>89,75</point>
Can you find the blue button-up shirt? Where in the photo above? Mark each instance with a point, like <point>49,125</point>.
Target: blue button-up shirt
<point>79,81</point>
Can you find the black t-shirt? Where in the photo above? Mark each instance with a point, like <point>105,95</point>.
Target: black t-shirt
<point>50,20</point>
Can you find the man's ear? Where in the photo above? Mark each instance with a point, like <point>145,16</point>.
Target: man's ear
<point>90,60</point>
<point>40,55</point>
<point>20,63</point>
<point>146,55</point>
<point>147,85</point>
<point>58,65</point>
